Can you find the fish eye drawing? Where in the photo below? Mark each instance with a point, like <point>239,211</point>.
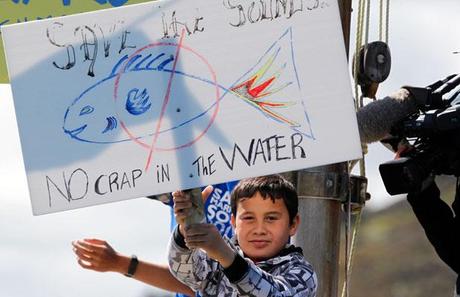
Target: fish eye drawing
<point>145,97</point>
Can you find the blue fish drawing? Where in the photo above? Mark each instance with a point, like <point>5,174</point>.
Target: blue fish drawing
<point>135,93</point>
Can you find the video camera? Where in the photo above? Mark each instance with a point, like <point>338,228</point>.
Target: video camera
<point>432,135</point>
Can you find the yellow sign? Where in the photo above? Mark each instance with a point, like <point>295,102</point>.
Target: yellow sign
<point>19,11</point>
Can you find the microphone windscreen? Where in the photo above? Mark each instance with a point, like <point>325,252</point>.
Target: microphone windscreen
<point>376,119</point>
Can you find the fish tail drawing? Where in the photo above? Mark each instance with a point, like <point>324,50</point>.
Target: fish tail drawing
<point>259,86</point>
<point>272,86</point>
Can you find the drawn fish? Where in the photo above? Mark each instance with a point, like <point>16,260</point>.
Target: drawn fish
<point>137,106</point>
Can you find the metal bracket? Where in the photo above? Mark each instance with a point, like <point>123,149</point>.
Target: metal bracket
<point>333,186</point>
<point>323,185</point>
<point>358,194</point>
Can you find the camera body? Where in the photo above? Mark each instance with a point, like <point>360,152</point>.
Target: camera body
<point>434,137</point>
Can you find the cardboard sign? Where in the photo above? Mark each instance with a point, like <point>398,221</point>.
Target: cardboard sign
<point>19,11</point>
<point>167,95</point>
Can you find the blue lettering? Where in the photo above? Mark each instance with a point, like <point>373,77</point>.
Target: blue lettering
<point>25,2</point>
<point>114,3</point>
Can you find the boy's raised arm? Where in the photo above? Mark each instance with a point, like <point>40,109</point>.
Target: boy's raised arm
<point>190,266</point>
<point>98,255</point>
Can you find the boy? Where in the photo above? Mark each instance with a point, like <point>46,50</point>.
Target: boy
<point>259,262</point>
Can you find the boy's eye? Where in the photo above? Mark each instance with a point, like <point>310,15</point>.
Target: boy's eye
<point>271,218</point>
<point>247,218</point>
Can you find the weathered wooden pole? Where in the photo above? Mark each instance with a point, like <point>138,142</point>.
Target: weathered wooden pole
<point>321,192</point>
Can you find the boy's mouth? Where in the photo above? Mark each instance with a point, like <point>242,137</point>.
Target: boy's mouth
<point>259,243</point>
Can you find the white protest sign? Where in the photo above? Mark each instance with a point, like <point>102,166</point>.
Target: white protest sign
<point>167,95</point>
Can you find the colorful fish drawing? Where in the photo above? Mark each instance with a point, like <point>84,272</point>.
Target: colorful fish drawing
<point>136,105</point>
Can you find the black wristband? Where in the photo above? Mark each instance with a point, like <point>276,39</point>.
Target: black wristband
<point>237,270</point>
<point>179,238</point>
<point>132,266</point>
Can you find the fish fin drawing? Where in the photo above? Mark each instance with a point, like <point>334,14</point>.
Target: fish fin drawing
<point>112,124</point>
<point>138,102</point>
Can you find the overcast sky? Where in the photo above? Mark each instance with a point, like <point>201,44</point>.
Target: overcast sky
<point>35,252</point>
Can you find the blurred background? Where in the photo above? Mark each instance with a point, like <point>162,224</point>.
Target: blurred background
<point>392,257</point>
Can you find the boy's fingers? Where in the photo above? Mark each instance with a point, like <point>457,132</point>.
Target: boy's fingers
<point>182,205</point>
<point>196,234</point>
<point>90,249</point>
<point>206,192</point>
<point>196,240</point>
<point>83,246</point>
<point>198,229</point>
<point>193,245</point>
<point>84,264</point>
<point>202,238</point>
<point>177,194</point>
<point>83,256</point>
<point>182,212</point>
<point>95,241</point>
<point>181,198</point>
<point>181,216</point>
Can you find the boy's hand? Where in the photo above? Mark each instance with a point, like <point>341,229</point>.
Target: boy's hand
<point>98,255</point>
<point>208,238</point>
<point>183,206</point>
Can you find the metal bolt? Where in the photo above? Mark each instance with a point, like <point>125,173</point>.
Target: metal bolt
<point>380,58</point>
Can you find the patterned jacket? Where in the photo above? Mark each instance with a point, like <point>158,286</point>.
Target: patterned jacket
<point>286,275</point>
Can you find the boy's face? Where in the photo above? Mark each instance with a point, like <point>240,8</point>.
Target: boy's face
<point>262,226</point>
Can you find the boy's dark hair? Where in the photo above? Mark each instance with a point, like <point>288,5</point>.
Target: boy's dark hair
<point>270,186</point>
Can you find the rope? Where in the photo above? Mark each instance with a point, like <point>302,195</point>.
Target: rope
<point>350,250</point>
<point>359,32</point>
<point>346,284</point>
<point>368,17</point>
<point>367,8</point>
<point>387,29</point>
<point>383,31</point>
<point>381,18</point>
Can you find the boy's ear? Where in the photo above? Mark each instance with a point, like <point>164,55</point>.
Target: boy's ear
<point>295,224</point>
<point>233,221</point>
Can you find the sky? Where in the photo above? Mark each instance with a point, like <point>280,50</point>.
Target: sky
<point>35,251</point>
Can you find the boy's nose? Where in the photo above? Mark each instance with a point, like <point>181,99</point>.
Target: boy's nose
<point>260,228</point>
